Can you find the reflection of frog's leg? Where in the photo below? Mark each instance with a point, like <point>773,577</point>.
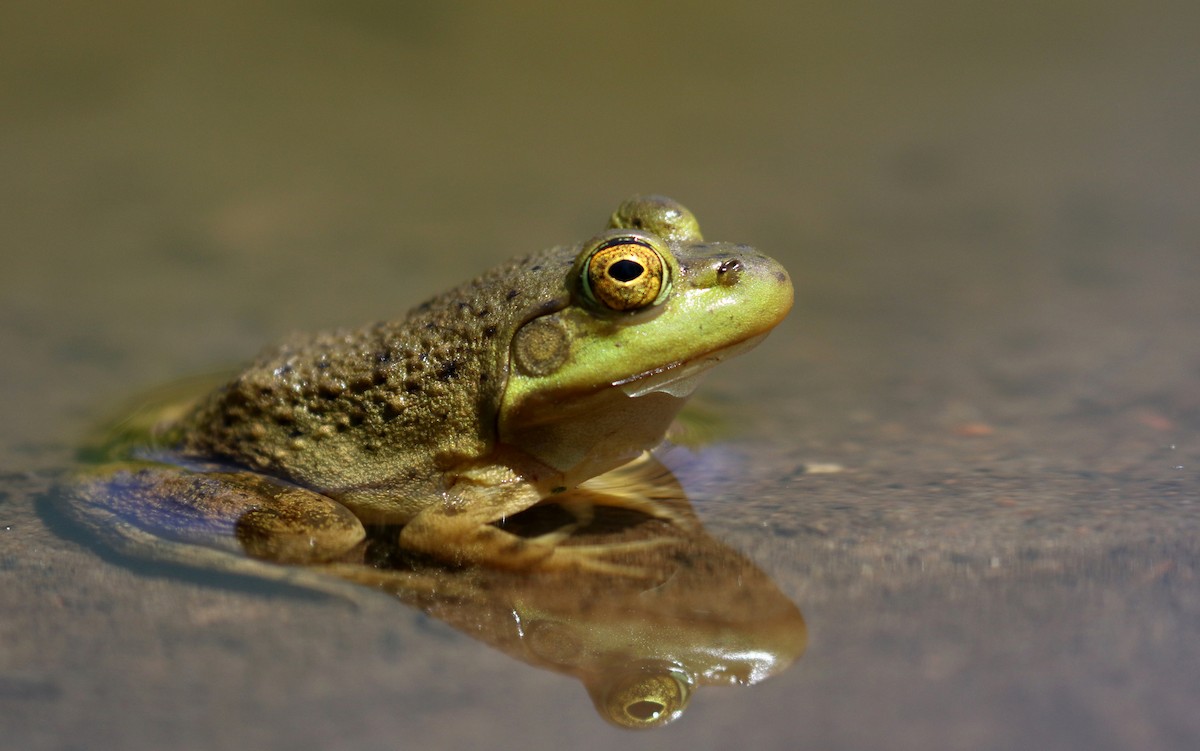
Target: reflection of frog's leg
<point>404,583</point>
<point>596,558</point>
<point>212,519</point>
<point>460,529</point>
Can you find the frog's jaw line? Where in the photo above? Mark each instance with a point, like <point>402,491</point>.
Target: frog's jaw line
<point>681,379</point>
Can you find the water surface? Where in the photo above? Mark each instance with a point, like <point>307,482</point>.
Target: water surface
<point>989,217</point>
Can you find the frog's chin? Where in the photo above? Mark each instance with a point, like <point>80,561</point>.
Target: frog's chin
<point>679,379</point>
<point>584,433</point>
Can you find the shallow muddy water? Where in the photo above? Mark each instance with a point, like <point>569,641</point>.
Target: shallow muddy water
<point>969,457</point>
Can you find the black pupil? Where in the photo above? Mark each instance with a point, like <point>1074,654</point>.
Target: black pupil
<point>645,710</point>
<point>625,270</point>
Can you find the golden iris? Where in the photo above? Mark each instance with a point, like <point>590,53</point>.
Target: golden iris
<point>625,273</point>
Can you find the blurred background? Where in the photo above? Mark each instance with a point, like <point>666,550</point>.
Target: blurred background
<point>989,214</point>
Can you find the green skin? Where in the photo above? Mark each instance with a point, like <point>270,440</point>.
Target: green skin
<point>481,402</point>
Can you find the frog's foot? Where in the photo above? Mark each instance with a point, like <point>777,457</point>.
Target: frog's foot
<point>461,530</point>
<point>469,538</point>
<point>490,546</point>
<point>583,501</point>
<point>462,527</point>
<point>643,486</point>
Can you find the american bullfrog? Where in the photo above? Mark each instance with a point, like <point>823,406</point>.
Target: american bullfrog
<point>500,394</point>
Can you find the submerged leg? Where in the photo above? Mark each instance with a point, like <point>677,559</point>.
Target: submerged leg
<point>163,512</point>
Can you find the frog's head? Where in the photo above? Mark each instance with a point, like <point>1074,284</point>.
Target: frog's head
<point>652,307</point>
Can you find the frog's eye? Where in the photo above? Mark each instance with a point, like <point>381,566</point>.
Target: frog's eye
<point>625,273</point>
<point>645,697</point>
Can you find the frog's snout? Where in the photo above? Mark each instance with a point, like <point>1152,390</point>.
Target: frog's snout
<point>754,283</point>
<point>744,265</point>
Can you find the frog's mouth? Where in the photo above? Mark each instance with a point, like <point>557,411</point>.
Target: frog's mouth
<point>679,379</point>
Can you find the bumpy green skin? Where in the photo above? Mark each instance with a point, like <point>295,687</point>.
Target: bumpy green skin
<point>386,408</point>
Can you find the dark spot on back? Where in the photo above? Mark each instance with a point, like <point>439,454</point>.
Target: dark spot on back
<point>448,371</point>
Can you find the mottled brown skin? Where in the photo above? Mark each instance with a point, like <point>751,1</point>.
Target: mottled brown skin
<point>419,395</point>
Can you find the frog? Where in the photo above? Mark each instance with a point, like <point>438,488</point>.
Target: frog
<point>498,395</point>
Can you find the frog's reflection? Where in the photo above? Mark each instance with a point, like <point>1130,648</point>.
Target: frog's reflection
<point>683,611</point>
<point>660,609</point>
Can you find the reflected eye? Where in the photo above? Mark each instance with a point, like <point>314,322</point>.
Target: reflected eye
<point>625,273</point>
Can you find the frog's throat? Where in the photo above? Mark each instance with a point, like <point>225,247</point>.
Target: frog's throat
<point>585,432</point>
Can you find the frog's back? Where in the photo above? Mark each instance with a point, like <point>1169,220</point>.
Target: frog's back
<point>385,402</point>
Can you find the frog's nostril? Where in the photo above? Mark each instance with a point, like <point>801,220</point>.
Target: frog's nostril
<point>729,272</point>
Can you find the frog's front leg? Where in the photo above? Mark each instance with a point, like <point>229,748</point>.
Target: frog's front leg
<point>460,528</point>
